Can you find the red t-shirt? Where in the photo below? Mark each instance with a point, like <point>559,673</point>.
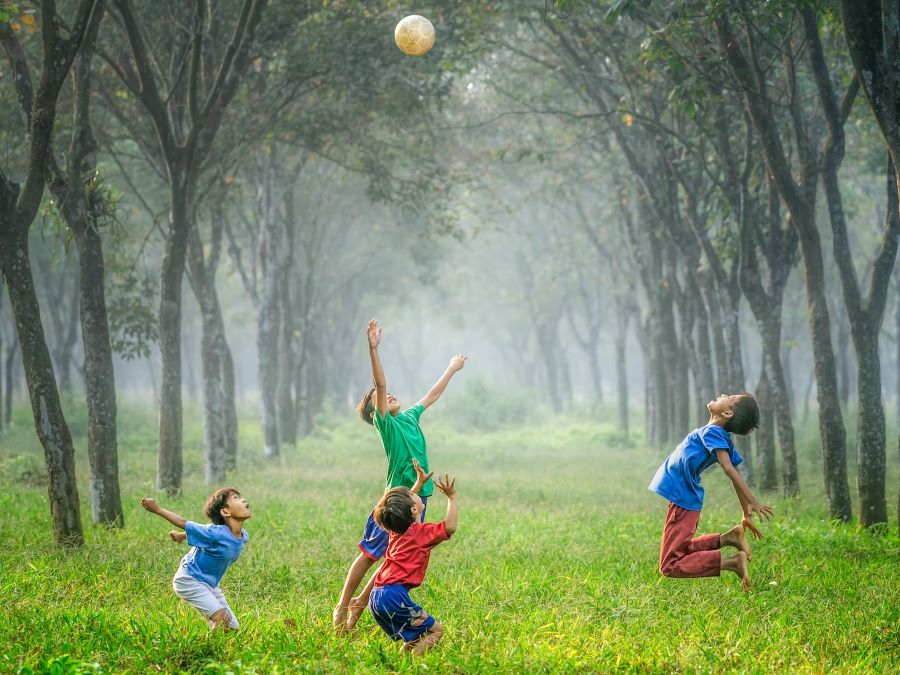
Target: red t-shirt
<point>407,554</point>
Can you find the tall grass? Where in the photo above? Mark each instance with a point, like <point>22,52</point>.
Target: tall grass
<point>553,568</point>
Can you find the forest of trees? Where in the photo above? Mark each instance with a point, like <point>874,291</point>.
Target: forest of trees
<point>638,205</point>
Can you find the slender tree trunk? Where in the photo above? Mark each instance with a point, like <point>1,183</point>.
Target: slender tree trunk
<point>871,461</point>
<point>100,383</point>
<point>2,421</point>
<point>268,319</point>
<point>766,476</point>
<point>10,376</point>
<point>287,358</point>
<point>622,375</point>
<point>49,421</point>
<point>169,459</point>
<point>842,360</point>
<point>781,403</point>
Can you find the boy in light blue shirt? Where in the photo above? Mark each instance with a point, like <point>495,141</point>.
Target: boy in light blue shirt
<point>214,547</point>
<point>678,480</point>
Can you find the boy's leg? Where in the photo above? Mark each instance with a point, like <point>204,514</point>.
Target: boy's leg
<point>372,547</point>
<point>354,576</point>
<point>737,564</point>
<point>680,554</point>
<point>204,599</point>
<point>359,603</point>
<point>738,538</point>
<point>431,637</point>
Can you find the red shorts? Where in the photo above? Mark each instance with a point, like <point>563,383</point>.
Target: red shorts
<point>681,555</point>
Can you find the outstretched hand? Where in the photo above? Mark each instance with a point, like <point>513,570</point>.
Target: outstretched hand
<point>373,333</point>
<point>762,512</point>
<point>177,536</point>
<point>447,485</point>
<point>421,476</point>
<point>150,504</point>
<point>748,525</point>
<point>457,362</point>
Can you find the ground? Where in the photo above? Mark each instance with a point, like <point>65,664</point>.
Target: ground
<point>553,568</point>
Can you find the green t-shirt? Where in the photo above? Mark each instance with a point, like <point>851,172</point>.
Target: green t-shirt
<point>403,440</point>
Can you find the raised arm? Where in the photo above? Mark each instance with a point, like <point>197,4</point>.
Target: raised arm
<point>421,477</point>
<point>749,503</point>
<point>448,487</point>
<point>373,333</point>
<point>456,363</point>
<point>153,507</point>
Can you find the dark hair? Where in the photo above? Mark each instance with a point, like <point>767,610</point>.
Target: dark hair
<point>394,511</point>
<point>745,417</point>
<point>366,407</point>
<point>216,502</point>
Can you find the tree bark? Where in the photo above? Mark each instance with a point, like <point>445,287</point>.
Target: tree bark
<point>766,476</point>
<point>622,373</point>
<point>100,383</point>
<point>215,357</point>
<point>49,421</point>
<point>800,202</point>
<point>268,316</point>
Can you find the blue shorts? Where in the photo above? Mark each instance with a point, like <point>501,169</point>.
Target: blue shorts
<point>397,614</point>
<point>375,540</point>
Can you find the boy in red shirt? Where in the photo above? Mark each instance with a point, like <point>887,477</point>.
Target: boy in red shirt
<point>410,542</point>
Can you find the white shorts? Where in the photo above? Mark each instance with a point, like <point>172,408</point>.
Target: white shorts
<point>203,597</point>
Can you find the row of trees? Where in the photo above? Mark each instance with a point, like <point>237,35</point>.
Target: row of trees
<point>658,166</point>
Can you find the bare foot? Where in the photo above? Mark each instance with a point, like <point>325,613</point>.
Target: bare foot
<point>738,564</point>
<point>339,619</point>
<point>736,537</point>
<point>357,607</point>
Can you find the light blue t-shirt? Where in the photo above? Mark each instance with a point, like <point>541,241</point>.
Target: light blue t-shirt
<point>214,549</point>
<point>678,478</point>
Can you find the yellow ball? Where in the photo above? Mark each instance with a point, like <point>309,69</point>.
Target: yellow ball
<point>414,35</point>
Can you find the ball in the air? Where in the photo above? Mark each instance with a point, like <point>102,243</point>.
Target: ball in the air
<point>414,35</point>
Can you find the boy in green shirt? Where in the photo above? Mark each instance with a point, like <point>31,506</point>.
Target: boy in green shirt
<point>403,442</point>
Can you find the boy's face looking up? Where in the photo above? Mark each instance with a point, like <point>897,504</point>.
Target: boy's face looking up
<point>393,405</point>
<point>236,507</point>
<point>724,404</point>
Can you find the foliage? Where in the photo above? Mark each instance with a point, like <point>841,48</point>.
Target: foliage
<point>24,470</point>
<point>133,324</point>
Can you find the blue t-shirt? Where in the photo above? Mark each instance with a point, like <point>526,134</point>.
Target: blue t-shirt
<point>214,549</point>
<point>678,478</point>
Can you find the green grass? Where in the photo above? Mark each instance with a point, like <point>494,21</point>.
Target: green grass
<point>553,568</point>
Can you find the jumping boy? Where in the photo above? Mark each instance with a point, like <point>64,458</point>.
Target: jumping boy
<point>400,512</point>
<point>678,480</point>
<point>403,441</point>
<point>214,547</point>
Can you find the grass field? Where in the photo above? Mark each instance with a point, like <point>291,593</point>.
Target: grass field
<point>553,568</point>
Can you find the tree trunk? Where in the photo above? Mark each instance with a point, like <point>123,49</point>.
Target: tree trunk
<point>49,421</point>
<point>2,422</point>
<point>766,477</point>
<point>871,459</point>
<point>100,383</point>
<point>219,416</point>
<point>287,357</point>
<point>169,459</point>
<point>268,319</point>
<point>622,376</point>
<point>781,403</point>
<point>10,377</point>
<point>842,360</point>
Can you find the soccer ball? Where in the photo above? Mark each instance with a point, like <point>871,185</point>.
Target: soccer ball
<point>414,35</point>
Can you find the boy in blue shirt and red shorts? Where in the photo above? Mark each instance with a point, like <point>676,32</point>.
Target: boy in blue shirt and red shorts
<point>214,547</point>
<point>678,480</point>
<point>400,512</point>
<point>403,442</point>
